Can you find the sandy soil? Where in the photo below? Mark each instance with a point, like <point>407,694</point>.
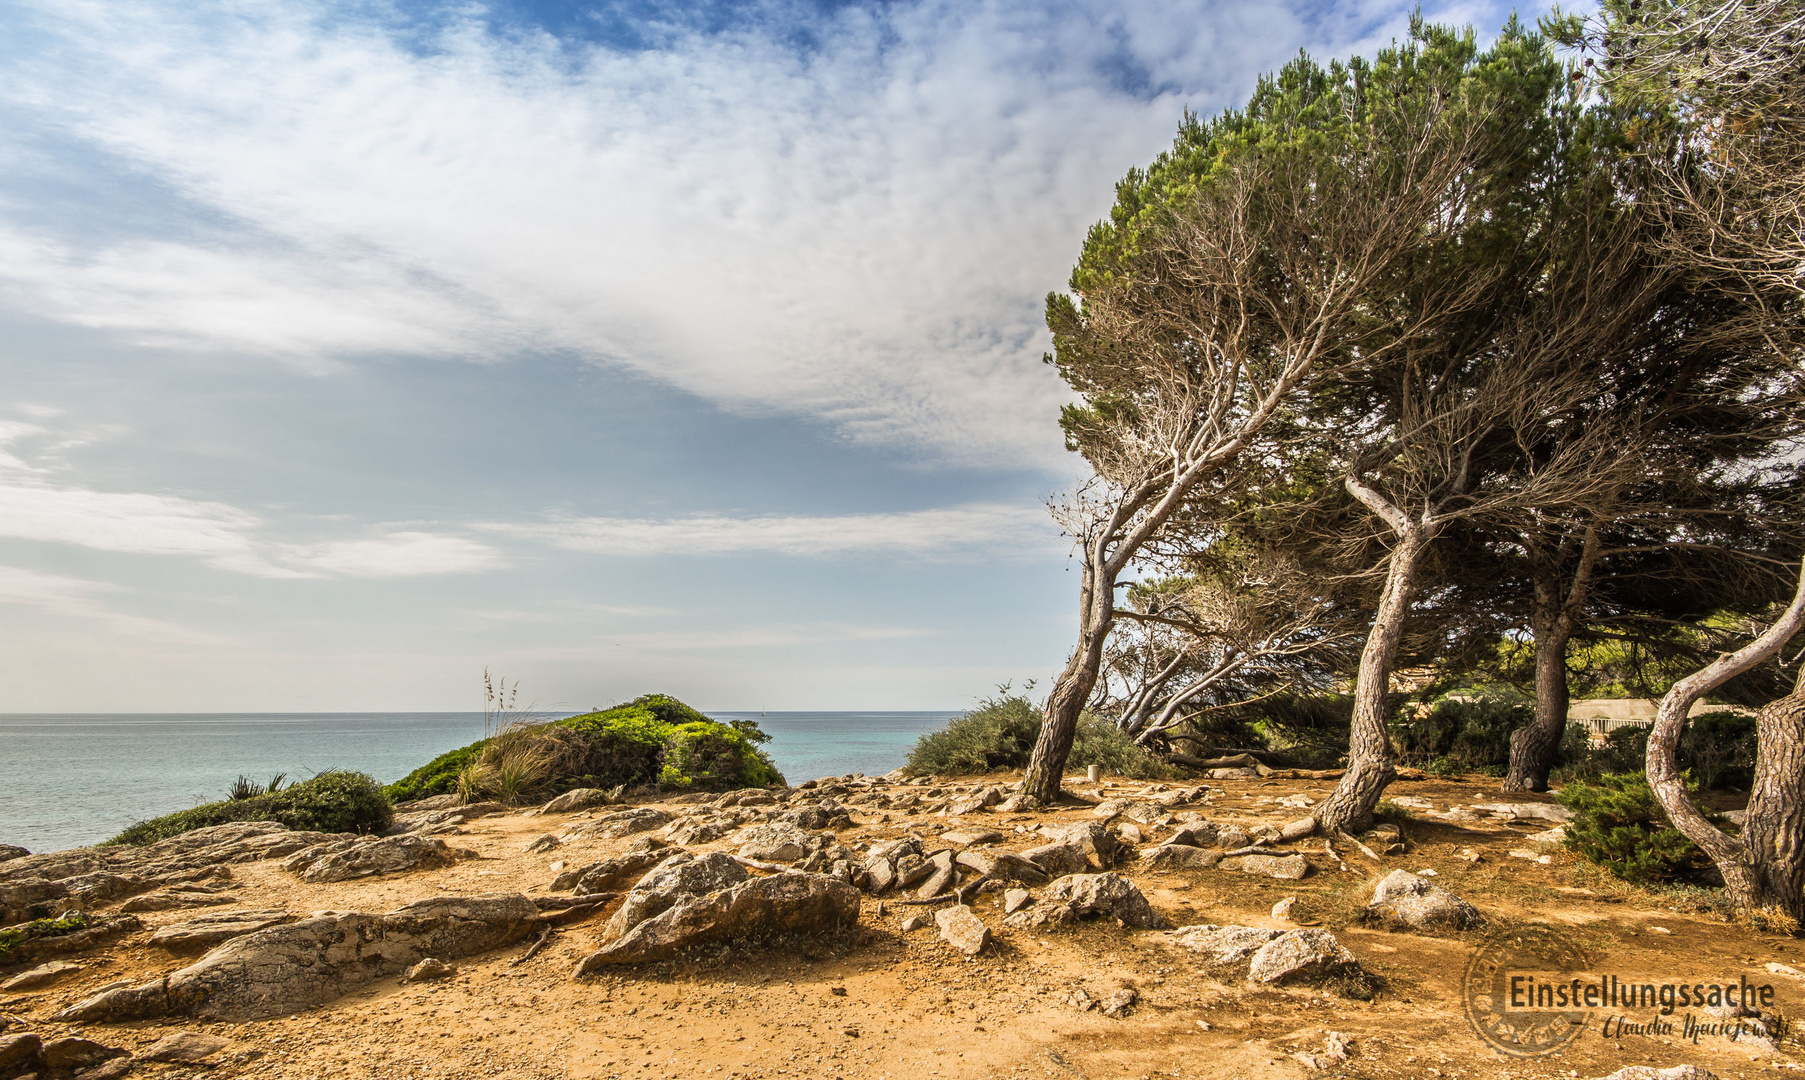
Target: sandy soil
<point>878,1003</point>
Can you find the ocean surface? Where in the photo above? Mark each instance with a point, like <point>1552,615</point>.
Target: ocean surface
<point>68,780</point>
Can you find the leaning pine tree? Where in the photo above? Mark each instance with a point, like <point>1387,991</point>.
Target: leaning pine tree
<point>1246,267</point>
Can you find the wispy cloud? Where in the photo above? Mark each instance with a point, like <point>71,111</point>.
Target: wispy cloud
<point>991,529</point>
<point>72,598</point>
<point>35,507</point>
<point>860,229</point>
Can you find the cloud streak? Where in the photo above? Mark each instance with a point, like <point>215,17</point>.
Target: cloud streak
<point>939,533</point>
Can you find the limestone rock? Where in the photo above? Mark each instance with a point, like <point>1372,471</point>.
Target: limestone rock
<point>677,878</point>
<point>600,876</point>
<point>63,1056</point>
<point>1043,914</point>
<point>430,969</point>
<point>1118,1005</point>
<point>1016,899</point>
<point>1107,893</point>
<point>940,876</point>
<point>1310,953</point>
<point>971,837</point>
<point>1403,899</point>
<point>369,857</point>
<point>961,928</point>
<point>1232,837</point>
<point>620,823</point>
<point>916,922</point>
<point>285,969</point>
<point>827,816</point>
<point>775,841</point>
<point>812,904</point>
<point>577,799</point>
<point>38,976</point>
<point>1179,857</point>
<point>1283,867</point>
<point>21,1054</point>
<point>199,935</point>
<point>544,842</point>
<point>12,851</point>
<point>1649,1072</point>
<point>1090,838</point>
<point>1059,859</point>
<point>172,899</point>
<point>185,1047</point>
<point>1223,944</point>
<point>1002,865</point>
<point>98,932</point>
<point>699,830</point>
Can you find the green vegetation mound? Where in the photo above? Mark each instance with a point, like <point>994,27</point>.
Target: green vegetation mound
<point>653,741</point>
<point>333,801</point>
<point>1000,734</point>
<point>1619,825</point>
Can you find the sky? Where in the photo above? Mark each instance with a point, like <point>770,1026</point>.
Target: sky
<point>349,349</point>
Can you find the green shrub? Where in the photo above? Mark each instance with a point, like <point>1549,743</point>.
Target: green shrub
<point>1458,735</point>
<point>14,936</point>
<point>1000,733</point>
<point>333,801</point>
<point>651,741</point>
<point>1618,824</point>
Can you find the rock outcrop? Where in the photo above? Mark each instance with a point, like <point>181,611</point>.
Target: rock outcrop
<point>318,959</point>
<point>789,903</point>
<point>677,878</point>
<point>368,856</point>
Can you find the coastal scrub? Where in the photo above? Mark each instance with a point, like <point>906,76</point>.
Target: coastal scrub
<point>336,800</point>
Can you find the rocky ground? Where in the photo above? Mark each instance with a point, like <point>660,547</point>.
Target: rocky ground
<point>856,927</point>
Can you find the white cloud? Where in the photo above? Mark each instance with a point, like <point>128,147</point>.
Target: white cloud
<point>993,529</point>
<point>861,231</point>
<point>398,554</point>
<point>72,598</point>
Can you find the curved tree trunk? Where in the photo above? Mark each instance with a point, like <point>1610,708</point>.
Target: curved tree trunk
<point>1533,746</point>
<point>1753,879</point>
<point>1096,614</point>
<point>1370,768</point>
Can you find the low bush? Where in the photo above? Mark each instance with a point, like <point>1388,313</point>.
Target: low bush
<point>13,936</point>
<point>1000,734</point>
<point>333,801</point>
<point>1618,824</point>
<point>1717,748</point>
<point>651,741</point>
<point>1465,734</point>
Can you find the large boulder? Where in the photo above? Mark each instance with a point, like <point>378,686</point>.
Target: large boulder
<point>789,903</point>
<point>577,799</point>
<point>367,857</point>
<point>677,878</point>
<point>1107,893</point>
<point>1401,898</point>
<point>285,969</point>
<point>1295,955</point>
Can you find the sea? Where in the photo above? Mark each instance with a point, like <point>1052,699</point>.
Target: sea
<point>69,780</point>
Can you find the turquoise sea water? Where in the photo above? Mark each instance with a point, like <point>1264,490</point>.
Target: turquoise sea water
<point>69,780</point>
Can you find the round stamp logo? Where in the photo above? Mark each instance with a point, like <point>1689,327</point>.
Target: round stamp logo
<point>1509,991</point>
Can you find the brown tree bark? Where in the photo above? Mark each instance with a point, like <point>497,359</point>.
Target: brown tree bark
<point>1552,622</point>
<point>1096,615</point>
<point>1370,766</point>
<point>1765,866</point>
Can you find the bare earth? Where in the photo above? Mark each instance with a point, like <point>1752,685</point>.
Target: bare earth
<point>877,1002</point>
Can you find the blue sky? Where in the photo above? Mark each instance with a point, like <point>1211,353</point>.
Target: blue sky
<point>350,348</point>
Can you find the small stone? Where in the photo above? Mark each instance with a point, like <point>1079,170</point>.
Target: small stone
<point>67,1055</point>
<point>545,842</point>
<point>837,991</point>
<point>971,837</point>
<point>1521,853</point>
<point>1129,832</point>
<point>1649,1072</point>
<point>1119,1004</point>
<point>429,970</point>
<point>1405,899</point>
<point>1285,868</point>
<point>1282,909</point>
<point>1016,899</point>
<point>916,921</point>
<point>185,1047</point>
<point>961,928</point>
<point>1203,1025</point>
<point>39,975</point>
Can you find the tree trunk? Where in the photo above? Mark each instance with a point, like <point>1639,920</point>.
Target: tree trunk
<point>1096,614</point>
<point>1773,830</point>
<point>1753,879</point>
<point>1369,767</point>
<point>1533,746</point>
